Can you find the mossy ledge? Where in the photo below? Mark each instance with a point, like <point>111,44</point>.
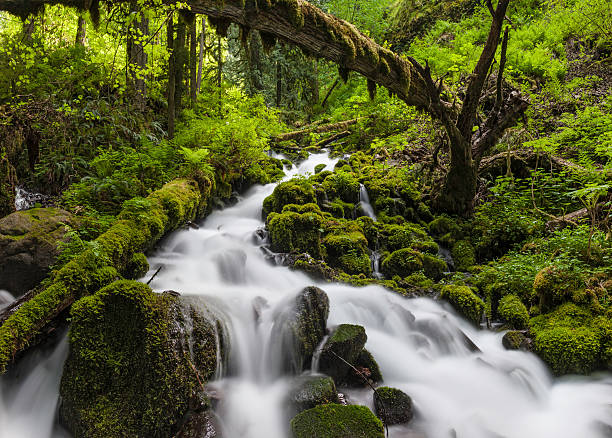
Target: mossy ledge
<point>142,222</point>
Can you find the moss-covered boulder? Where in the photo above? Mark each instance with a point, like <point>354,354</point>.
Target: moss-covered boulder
<point>402,262</point>
<point>404,236</point>
<point>137,361</point>
<point>296,191</point>
<point>516,340</point>
<point>310,391</point>
<point>446,229</point>
<point>293,231</point>
<point>302,328</point>
<point>337,421</point>
<point>512,310</point>
<point>348,252</point>
<point>555,286</point>
<point>464,301</point>
<point>434,267</point>
<point>29,246</point>
<point>464,255</point>
<point>392,406</point>
<point>345,342</point>
<point>368,369</point>
<point>342,185</point>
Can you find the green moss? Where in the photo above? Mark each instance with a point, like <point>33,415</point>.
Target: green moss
<point>337,421</point>
<point>512,310</point>
<point>126,347</point>
<point>446,230</point>
<point>392,405</point>
<point>568,350</point>
<point>342,185</point>
<point>554,286</point>
<point>137,267</point>
<point>312,391</point>
<point>319,167</point>
<point>295,191</point>
<point>140,224</point>
<point>348,252</point>
<point>434,267</point>
<point>290,231</point>
<point>464,255</point>
<point>402,262</point>
<point>403,236</point>
<point>464,301</point>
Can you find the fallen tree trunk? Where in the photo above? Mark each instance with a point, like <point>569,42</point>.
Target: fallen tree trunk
<point>138,227</point>
<point>572,217</point>
<point>318,129</point>
<point>527,158</point>
<point>332,139</point>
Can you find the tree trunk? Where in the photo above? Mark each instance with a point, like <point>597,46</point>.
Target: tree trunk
<point>279,84</point>
<point>171,76</point>
<point>201,55</point>
<point>137,57</point>
<point>193,65</point>
<point>180,53</point>
<point>81,32</point>
<point>29,26</point>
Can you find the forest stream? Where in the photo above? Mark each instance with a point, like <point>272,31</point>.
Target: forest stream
<point>459,388</point>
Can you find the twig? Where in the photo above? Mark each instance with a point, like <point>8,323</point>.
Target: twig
<point>365,379</point>
<point>154,275</point>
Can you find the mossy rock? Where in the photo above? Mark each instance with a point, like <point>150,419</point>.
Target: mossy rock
<point>319,167</point>
<point>402,262</point>
<point>348,252</point>
<point>390,206</point>
<point>568,351</point>
<point>296,191</point>
<point>446,229</point>
<point>346,342</point>
<point>29,245</point>
<point>302,329</point>
<point>404,236</point>
<point>512,310</point>
<point>464,301</point>
<point>342,185</point>
<point>463,255</point>
<point>137,267</point>
<point>337,421</point>
<point>392,406</point>
<point>434,267</point>
<point>516,340</point>
<point>555,286</point>
<point>291,231</point>
<point>132,348</point>
<point>368,369</point>
<point>310,391</point>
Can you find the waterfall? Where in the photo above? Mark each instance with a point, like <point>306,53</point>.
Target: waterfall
<point>420,345</point>
<point>364,202</point>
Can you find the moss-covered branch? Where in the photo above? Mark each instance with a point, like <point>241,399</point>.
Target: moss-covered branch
<point>142,222</point>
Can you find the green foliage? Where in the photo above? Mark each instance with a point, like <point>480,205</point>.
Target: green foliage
<point>337,421</point>
<point>402,262</point>
<point>348,252</point>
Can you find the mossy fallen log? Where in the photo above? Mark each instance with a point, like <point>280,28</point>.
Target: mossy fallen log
<point>142,222</point>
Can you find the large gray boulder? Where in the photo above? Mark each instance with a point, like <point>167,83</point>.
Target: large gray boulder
<point>29,246</point>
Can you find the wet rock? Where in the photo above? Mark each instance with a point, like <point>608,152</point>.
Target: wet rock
<point>344,344</point>
<point>369,371</point>
<point>392,406</point>
<point>303,327</point>
<point>516,340</point>
<point>145,358</point>
<point>311,391</point>
<point>200,425</point>
<point>337,421</point>
<point>29,246</point>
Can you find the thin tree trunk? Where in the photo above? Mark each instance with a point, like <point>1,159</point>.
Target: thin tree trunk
<point>219,70</point>
<point>279,84</point>
<point>81,32</point>
<point>201,55</point>
<point>29,26</point>
<point>193,64</point>
<point>180,53</point>
<point>137,57</point>
<point>329,92</point>
<point>171,77</point>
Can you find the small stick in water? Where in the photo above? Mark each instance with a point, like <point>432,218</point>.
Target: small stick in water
<point>154,275</point>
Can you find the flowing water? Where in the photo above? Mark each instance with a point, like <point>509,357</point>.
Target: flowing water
<point>420,345</point>
<point>364,202</point>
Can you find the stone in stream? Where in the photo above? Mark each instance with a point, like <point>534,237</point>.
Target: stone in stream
<point>310,391</point>
<point>144,357</point>
<point>337,421</point>
<point>368,368</point>
<point>29,246</point>
<point>392,406</point>
<point>302,328</point>
<point>344,344</point>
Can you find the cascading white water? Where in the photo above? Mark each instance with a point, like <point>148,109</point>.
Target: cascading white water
<point>488,393</point>
<point>419,344</point>
<point>6,298</point>
<point>21,200</point>
<point>364,202</point>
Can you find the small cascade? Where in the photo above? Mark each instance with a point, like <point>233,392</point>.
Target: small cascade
<point>375,260</point>
<point>364,202</point>
<point>6,298</point>
<point>25,199</point>
<point>445,254</point>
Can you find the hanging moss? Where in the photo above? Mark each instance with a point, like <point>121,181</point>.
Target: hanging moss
<point>268,41</point>
<point>221,25</point>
